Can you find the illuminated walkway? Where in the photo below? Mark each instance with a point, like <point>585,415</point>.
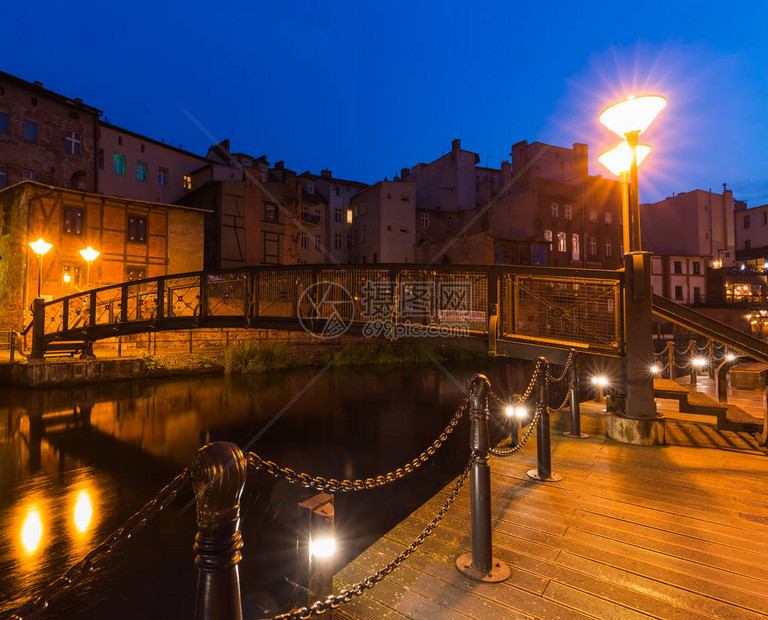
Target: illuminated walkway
<point>631,531</point>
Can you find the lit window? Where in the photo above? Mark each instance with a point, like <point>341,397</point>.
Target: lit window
<point>567,212</point>
<point>73,143</point>
<point>561,242</point>
<point>73,220</point>
<point>349,216</point>
<point>425,220</point>
<point>270,213</point>
<point>553,209</point>
<point>30,176</point>
<point>4,122</point>
<point>608,248</point>
<point>547,235</point>
<point>141,171</point>
<point>187,183</point>
<point>3,177</point>
<point>30,131</point>
<point>575,247</point>
<point>608,217</point>
<point>337,241</point>
<point>162,176</point>
<point>137,228</point>
<point>593,215</point>
<point>118,165</point>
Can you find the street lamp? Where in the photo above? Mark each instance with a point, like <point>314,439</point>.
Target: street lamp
<point>89,255</point>
<point>40,248</point>
<point>628,119</point>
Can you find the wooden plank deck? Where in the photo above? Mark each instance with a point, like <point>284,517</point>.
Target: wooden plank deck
<point>677,531</point>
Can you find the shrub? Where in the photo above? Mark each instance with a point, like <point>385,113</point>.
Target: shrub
<point>252,357</point>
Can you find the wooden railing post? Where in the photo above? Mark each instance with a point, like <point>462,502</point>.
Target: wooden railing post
<point>218,478</point>
<point>38,328</point>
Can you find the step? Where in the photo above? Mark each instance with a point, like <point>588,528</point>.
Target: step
<point>738,419</point>
<point>698,402</point>
<point>669,388</point>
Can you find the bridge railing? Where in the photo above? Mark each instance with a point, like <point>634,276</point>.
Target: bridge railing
<point>218,475</point>
<point>563,307</point>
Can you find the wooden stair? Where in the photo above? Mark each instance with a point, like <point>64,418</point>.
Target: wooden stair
<point>730,417</point>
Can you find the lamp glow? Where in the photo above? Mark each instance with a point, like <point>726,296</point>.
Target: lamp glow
<point>89,254</point>
<point>40,247</point>
<point>655,369</point>
<point>67,277</point>
<point>521,412</point>
<point>322,547</point>
<point>83,512</point>
<point>634,114</point>
<point>730,357</point>
<point>32,531</point>
<point>619,160</point>
<point>699,361</point>
<point>600,380</point>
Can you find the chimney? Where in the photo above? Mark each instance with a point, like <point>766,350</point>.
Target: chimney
<point>326,174</point>
<point>456,145</point>
<point>506,173</point>
<point>581,157</point>
<point>279,165</point>
<point>404,172</point>
<point>37,83</point>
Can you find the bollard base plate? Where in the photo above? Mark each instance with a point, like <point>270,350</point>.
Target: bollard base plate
<point>534,473</point>
<point>499,570</point>
<point>581,436</point>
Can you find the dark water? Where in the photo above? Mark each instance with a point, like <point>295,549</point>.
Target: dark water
<point>74,464</point>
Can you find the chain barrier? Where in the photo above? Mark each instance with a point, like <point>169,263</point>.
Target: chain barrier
<point>564,403</point>
<point>687,349</point>
<point>525,395</point>
<point>333,485</point>
<point>345,595</point>
<point>84,567</point>
<point>501,452</point>
<point>554,379</point>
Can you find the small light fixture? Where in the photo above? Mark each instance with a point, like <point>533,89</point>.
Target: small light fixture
<point>322,547</point>
<point>699,361</point>
<point>600,380</point>
<point>521,412</point>
<point>67,277</point>
<point>509,410</point>
<point>730,357</point>
<point>655,369</point>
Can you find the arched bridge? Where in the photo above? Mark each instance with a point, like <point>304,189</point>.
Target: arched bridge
<point>514,310</point>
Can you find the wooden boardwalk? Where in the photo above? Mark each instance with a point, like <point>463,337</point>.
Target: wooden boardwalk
<point>631,532</point>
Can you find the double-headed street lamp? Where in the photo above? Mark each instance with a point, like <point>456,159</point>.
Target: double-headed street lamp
<point>628,119</point>
<point>89,255</point>
<point>40,248</point>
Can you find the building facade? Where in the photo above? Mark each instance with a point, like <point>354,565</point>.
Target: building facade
<point>682,279</point>
<point>751,226</point>
<point>46,137</point>
<point>135,239</point>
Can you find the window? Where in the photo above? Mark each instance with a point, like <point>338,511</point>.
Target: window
<point>3,177</point>
<point>186,183</point>
<point>137,228</point>
<point>678,292</point>
<point>73,143</point>
<point>134,272</point>
<point>696,294</point>
<point>73,220</point>
<point>362,234</point>
<point>3,122</point>
<point>100,159</point>
<point>548,235</point>
<point>593,246</point>
<point>349,216</point>
<point>677,266</point>
<point>608,248</point>
<point>574,245</point>
<point>553,209</point>
<point>696,267</point>
<point>310,187</point>
<point>120,140</point>
<point>30,176</point>
<point>141,171</point>
<point>561,242</point>
<point>142,148</point>
<point>349,242</point>
<point>33,102</point>
<point>246,163</point>
<point>317,243</point>
<point>746,221</point>
<point>304,212</point>
<point>425,220</point>
<point>405,198</point>
<point>118,165</point>
<point>338,215</point>
<point>747,243</point>
<point>608,217</point>
<point>337,241</point>
<point>593,215</point>
<point>449,223</point>
<point>336,189</point>
<point>363,206</point>
<point>30,131</point>
<point>389,196</point>
<point>567,212</point>
<point>270,213</point>
<point>162,176</point>
<point>404,229</point>
<point>304,237</point>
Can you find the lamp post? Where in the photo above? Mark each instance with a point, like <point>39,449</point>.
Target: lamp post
<point>89,255</point>
<point>628,119</point>
<point>40,248</point>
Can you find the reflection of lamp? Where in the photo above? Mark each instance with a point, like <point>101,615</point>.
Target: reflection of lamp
<point>628,119</point>
<point>83,512</point>
<point>40,248</point>
<point>32,531</point>
<point>89,255</point>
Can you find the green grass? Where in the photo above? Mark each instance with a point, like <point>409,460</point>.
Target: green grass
<point>254,357</point>
<point>392,353</point>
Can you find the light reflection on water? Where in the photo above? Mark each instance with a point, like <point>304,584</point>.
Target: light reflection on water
<point>74,464</point>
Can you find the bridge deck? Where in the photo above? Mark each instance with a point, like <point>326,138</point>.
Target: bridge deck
<point>630,532</point>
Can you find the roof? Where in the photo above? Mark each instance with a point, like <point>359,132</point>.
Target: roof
<point>152,140</point>
<point>83,194</point>
<point>38,88</point>
<point>312,198</point>
<point>320,177</point>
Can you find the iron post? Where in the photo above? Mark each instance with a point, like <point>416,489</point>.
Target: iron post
<point>218,477</point>
<point>314,550</point>
<point>543,472</point>
<point>480,563</point>
<point>573,380</point>
<point>671,358</point>
<point>694,373</point>
<point>38,328</point>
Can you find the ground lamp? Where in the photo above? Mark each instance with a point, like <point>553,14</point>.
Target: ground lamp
<point>40,248</point>
<point>89,255</point>
<point>628,119</point>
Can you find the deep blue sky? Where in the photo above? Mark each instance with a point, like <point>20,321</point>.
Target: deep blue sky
<point>364,88</point>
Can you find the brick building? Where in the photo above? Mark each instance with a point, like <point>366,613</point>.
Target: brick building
<point>136,240</point>
<point>46,137</point>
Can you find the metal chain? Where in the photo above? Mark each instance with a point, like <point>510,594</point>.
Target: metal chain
<point>345,595</point>
<point>521,443</point>
<point>333,485</point>
<point>565,400</point>
<point>554,379</point>
<point>528,390</point>
<point>34,606</point>
<point>688,348</point>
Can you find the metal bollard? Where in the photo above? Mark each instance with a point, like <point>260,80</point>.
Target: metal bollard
<point>480,563</point>
<point>218,478</point>
<point>711,364</point>
<point>573,378</point>
<point>672,367</point>
<point>543,472</point>
<point>315,548</point>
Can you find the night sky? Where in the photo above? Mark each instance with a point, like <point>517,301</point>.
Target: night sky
<point>365,88</point>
